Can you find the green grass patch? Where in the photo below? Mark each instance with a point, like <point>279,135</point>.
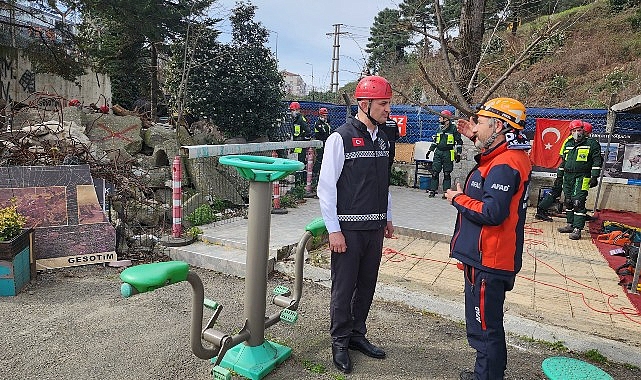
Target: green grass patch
<point>314,367</point>
<point>595,357</point>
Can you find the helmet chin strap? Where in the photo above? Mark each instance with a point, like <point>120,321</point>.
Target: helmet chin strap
<point>371,119</point>
<point>490,140</point>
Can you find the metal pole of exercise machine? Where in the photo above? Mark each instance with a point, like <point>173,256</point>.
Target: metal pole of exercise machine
<point>259,219</point>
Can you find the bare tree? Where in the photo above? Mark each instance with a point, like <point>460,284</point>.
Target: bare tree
<point>461,82</point>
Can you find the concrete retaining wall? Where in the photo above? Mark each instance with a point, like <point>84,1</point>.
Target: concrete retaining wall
<point>18,82</point>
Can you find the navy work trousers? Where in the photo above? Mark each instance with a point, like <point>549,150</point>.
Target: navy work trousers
<point>354,276</point>
<point>484,299</point>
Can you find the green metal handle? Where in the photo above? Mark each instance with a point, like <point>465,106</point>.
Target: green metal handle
<point>261,168</point>
<point>316,227</point>
<point>147,277</point>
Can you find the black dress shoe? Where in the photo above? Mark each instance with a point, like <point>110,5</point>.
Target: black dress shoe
<point>340,356</point>
<point>363,345</point>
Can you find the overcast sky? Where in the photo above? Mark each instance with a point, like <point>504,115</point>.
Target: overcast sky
<point>299,34</point>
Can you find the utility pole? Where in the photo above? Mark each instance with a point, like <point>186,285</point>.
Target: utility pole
<point>335,55</point>
<point>307,63</point>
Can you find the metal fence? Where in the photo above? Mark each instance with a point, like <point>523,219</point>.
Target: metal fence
<point>422,122</point>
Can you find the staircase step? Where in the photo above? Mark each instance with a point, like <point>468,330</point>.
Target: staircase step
<point>224,259</point>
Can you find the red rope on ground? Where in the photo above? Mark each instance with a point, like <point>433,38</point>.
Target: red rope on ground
<point>397,257</point>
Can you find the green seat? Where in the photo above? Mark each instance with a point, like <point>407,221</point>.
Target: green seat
<point>562,368</point>
<point>146,277</point>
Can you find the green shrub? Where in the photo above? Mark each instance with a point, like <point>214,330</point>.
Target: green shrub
<point>194,231</point>
<point>202,215</point>
<point>398,178</point>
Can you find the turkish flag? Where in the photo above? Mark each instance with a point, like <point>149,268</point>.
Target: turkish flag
<point>358,141</point>
<point>548,139</point>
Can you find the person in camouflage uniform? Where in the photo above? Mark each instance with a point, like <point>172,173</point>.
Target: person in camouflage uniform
<point>447,147</point>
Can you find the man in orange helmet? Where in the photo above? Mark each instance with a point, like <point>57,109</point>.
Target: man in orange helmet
<point>489,232</point>
<point>353,190</point>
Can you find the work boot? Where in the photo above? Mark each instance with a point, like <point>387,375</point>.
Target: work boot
<point>542,215</point>
<point>431,193</point>
<point>466,374</point>
<point>566,229</point>
<point>444,197</point>
<point>576,234</point>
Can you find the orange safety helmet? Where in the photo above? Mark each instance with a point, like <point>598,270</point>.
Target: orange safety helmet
<point>576,124</point>
<point>507,109</point>
<point>446,112</point>
<point>294,106</point>
<point>373,87</point>
<point>323,111</point>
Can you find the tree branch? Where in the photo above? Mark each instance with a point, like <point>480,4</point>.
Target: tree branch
<point>525,54</point>
<point>445,56</point>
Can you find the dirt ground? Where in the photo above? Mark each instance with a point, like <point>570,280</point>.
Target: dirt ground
<point>73,324</point>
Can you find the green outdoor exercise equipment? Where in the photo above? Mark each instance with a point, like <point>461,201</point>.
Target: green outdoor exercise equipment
<point>564,368</point>
<point>255,357</point>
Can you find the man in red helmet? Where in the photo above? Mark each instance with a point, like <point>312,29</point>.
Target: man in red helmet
<point>554,195</point>
<point>391,130</point>
<point>580,169</point>
<point>300,131</point>
<point>300,127</point>
<point>353,190</point>
<point>447,148</point>
<point>322,129</point>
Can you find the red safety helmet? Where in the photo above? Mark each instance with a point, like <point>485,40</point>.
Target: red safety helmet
<point>373,87</point>
<point>294,106</point>
<point>104,109</point>
<point>580,124</point>
<point>446,112</point>
<point>74,102</point>
<point>323,111</point>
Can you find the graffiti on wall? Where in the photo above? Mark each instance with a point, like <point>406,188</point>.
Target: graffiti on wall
<point>10,77</point>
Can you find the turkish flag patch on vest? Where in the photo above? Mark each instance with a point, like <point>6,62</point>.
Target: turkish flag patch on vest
<point>358,141</point>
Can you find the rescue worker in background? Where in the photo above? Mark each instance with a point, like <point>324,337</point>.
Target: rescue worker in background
<point>447,147</point>
<point>322,129</point>
<point>553,196</point>
<point>353,192</point>
<point>300,132</point>
<point>489,233</point>
<point>580,169</point>
<point>391,130</point>
<point>543,207</point>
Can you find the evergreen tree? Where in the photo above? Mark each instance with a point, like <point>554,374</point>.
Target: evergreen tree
<point>388,40</point>
<point>419,15</point>
<point>128,37</point>
<point>236,86</point>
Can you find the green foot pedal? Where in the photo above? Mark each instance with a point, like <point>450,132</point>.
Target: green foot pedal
<point>221,373</point>
<point>281,290</point>
<point>209,304</point>
<point>289,316</point>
